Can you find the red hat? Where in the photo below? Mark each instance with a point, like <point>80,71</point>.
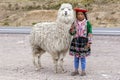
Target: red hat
<point>80,10</point>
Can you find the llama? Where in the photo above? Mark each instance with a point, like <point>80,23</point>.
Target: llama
<point>53,37</point>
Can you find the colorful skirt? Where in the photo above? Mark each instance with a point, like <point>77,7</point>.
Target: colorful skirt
<point>79,47</point>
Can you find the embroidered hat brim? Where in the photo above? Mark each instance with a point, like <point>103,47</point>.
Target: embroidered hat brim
<point>80,10</point>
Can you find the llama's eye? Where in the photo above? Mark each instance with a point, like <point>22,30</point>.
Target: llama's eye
<point>62,8</point>
<point>69,9</point>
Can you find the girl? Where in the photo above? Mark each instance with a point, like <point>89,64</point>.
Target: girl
<point>80,45</point>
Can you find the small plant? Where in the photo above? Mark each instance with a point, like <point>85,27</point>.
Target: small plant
<point>87,2</point>
<point>33,23</point>
<point>16,6</point>
<point>7,16</point>
<point>30,7</point>
<point>9,6</point>
<point>6,24</point>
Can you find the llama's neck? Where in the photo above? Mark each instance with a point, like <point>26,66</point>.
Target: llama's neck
<point>65,26</point>
<point>64,29</point>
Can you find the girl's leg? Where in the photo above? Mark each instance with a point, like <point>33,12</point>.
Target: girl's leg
<point>76,63</point>
<point>76,66</point>
<point>83,66</point>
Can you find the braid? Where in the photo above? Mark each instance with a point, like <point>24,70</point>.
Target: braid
<point>85,15</point>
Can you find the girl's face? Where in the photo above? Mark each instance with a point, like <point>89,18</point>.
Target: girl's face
<point>80,16</point>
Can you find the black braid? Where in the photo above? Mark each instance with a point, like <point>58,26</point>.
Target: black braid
<point>85,15</point>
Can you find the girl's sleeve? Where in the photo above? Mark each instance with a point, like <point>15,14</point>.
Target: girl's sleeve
<point>89,31</point>
<point>89,27</point>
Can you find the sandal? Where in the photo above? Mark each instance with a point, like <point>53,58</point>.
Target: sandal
<point>75,73</point>
<point>83,73</point>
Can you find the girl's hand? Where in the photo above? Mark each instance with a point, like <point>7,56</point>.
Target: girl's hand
<point>72,30</point>
<point>88,45</point>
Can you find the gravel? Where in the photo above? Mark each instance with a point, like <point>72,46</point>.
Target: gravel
<point>16,60</point>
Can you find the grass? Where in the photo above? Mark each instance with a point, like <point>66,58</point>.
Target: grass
<point>24,6</point>
<point>48,4</point>
<point>52,4</point>
<point>6,24</point>
<point>33,23</point>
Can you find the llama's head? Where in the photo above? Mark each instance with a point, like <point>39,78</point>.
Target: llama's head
<point>66,14</point>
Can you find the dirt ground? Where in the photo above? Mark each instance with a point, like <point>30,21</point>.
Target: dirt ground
<point>16,60</point>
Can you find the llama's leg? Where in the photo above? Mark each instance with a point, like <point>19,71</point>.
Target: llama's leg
<point>56,65</point>
<point>39,59</point>
<point>35,61</point>
<point>61,61</point>
<point>37,52</point>
<point>62,55</point>
<point>61,65</point>
<point>55,61</point>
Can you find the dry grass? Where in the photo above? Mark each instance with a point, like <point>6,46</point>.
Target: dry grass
<point>17,12</point>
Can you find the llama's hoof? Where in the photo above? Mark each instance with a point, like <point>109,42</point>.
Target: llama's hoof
<point>37,69</point>
<point>56,71</point>
<point>41,68</point>
<point>64,71</point>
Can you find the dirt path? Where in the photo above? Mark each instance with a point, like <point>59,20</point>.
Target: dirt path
<point>16,60</point>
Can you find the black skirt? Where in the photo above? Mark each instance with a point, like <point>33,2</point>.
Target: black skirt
<point>79,47</point>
